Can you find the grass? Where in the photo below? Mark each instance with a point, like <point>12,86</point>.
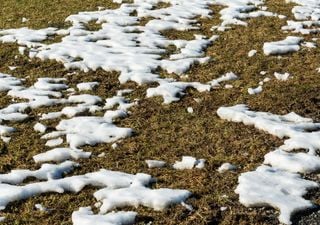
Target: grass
<point>168,132</point>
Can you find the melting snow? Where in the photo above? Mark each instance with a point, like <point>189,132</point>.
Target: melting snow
<point>254,91</point>
<point>158,199</point>
<point>272,187</point>
<point>293,162</point>
<point>239,10</point>
<point>85,216</point>
<point>155,163</point>
<point>226,167</point>
<point>280,76</point>
<point>279,186</point>
<point>307,17</point>
<point>190,110</point>
<point>288,45</point>
<point>252,53</point>
<point>40,127</point>
<point>87,86</point>
<point>189,162</point>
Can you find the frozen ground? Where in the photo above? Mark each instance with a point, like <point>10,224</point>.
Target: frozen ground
<point>129,107</point>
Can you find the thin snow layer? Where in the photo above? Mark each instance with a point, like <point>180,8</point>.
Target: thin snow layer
<point>87,86</point>
<point>273,187</point>
<point>60,155</point>
<point>189,162</point>
<point>43,93</point>
<point>226,167</point>
<point>307,15</point>
<point>282,76</point>
<point>117,190</point>
<point>54,142</point>
<point>85,216</point>
<point>46,172</point>
<point>252,53</point>
<point>293,162</point>
<point>288,45</point>
<point>40,127</point>
<point>103,178</point>
<point>155,163</point>
<point>121,44</point>
<point>158,199</point>
<point>226,77</point>
<point>237,11</point>
<point>301,132</point>
<point>279,186</point>
<point>254,91</point>
<point>172,92</point>
<point>41,208</point>
<point>80,131</point>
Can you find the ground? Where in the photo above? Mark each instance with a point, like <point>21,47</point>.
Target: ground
<point>168,132</point>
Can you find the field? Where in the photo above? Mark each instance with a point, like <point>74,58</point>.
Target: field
<point>160,131</point>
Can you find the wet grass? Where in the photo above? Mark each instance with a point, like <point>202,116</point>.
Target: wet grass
<point>167,132</point>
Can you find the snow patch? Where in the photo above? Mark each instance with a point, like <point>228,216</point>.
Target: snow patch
<point>189,162</point>
<point>288,45</point>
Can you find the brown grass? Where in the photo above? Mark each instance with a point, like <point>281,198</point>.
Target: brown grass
<point>168,132</point>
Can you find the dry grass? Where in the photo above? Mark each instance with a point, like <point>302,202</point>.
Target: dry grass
<point>168,132</point>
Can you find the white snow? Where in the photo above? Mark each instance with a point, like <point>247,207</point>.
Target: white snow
<point>226,77</point>
<point>121,44</point>
<point>124,92</point>
<point>60,155</point>
<point>46,172</point>
<point>87,86</point>
<point>226,167</point>
<point>282,76</point>
<point>40,127</point>
<point>114,145</point>
<point>189,162</point>
<point>273,187</point>
<point>309,44</point>
<point>155,163</point>
<point>267,79</point>
<point>54,142</point>
<point>136,51</point>
<point>293,127</point>
<point>237,11</point>
<point>228,86</point>
<point>50,84</point>
<point>80,131</point>
<point>293,162</point>
<point>103,178</point>
<point>306,15</point>
<point>223,208</point>
<point>12,68</point>
<point>190,110</point>
<point>288,45</point>
<point>41,207</point>
<point>158,199</point>
<point>24,20</point>
<point>279,186</point>
<point>252,53</point>
<point>85,216</point>
<point>254,91</point>
<point>172,92</point>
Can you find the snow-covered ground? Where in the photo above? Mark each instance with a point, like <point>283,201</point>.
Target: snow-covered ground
<point>278,182</point>
<point>136,51</point>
